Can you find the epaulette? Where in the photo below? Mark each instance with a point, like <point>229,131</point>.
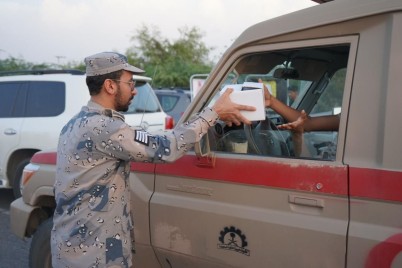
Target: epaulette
<point>113,113</point>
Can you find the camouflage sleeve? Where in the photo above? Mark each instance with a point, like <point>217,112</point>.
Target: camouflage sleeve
<point>165,146</point>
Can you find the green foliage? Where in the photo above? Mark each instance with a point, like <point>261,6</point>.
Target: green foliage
<point>73,65</point>
<point>15,64</point>
<point>170,64</point>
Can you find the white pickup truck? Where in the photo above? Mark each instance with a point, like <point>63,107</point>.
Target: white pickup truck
<point>336,205</point>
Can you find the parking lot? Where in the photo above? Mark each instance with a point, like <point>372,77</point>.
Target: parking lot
<point>13,250</point>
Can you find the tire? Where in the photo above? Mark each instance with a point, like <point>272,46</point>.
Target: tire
<point>40,253</point>
<point>17,177</point>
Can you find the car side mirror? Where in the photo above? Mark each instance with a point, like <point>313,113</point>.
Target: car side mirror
<point>205,158</point>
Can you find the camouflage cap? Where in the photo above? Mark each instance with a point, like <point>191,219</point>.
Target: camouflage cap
<point>108,62</point>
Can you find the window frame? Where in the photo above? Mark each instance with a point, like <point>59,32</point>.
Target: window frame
<point>212,88</point>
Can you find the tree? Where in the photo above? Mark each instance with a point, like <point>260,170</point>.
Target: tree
<point>15,64</point>
<point>170,64</point>
<point>73,65</point>
<point>12,64</point>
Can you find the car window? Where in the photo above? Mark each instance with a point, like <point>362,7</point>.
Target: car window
<point>168,102</point>
<point>145,101</point>
<point>310,79</point>
<point>9,93</point>
<point>322,144</point>
<point>331,98</point>
<point>32,98</point>
<point>45,99</point>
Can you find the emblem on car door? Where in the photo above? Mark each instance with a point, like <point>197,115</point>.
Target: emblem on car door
<point>233,239</point>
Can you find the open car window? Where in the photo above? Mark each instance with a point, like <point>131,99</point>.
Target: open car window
<point>310,79</point>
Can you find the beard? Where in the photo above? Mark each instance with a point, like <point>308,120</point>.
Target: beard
<point>120,105</point>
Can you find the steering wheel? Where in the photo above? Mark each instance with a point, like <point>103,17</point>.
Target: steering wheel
<point>264,138</point>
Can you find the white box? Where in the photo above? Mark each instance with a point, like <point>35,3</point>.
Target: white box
<point>251,94</point>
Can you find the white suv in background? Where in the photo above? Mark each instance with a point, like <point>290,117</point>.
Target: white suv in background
<point>34,106</point>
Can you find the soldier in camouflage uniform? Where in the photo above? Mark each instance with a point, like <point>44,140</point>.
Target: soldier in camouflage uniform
<point>92,221</point>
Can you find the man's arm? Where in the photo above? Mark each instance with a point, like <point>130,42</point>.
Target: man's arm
<point>297,128</point>
<point>321,123</point>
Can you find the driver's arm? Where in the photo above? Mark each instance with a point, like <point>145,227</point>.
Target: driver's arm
<point>297,128</point>
<point>321,123</point>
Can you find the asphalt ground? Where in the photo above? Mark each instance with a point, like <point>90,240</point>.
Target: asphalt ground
<point>14,251</point>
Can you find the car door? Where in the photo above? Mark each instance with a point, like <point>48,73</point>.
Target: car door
<point>267,205</point>
<point>12,97</point>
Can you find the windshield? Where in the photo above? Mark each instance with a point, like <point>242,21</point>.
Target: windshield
<point>145,101</point>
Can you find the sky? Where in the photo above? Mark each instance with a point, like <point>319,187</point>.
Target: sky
<point>62,31</point>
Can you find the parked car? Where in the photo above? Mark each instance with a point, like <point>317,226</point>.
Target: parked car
<point>174,101</point>
<point>265,206</point>
<point>36,104</point>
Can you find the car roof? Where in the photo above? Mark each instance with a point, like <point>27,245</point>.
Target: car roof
<point>42,72</point>
<point>51,74</point>
<point>319,15</point>
<point>142,78</point>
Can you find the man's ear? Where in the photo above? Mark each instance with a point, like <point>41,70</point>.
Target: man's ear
<point>110,86</point>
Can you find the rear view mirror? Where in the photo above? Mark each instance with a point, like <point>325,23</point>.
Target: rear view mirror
<point>286,73</point>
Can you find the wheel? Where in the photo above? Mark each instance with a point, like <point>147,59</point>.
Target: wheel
<point>40,253</point>
<point>17,177</point>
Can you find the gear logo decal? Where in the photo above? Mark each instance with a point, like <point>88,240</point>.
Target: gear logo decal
<point>232,238</point>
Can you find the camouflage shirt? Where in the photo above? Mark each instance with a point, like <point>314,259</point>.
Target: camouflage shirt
<point>92,222</point>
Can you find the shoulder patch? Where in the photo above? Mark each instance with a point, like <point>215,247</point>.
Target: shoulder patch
<point>141,137</point>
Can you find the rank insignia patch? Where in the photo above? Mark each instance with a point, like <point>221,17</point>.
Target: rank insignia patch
<point>141,137</point>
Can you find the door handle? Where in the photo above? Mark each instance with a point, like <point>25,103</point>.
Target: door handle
<point>10,131</point>
<point>306,201</point>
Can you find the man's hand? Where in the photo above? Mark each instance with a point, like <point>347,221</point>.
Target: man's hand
<point>296,126</point>
<point>229,112</point>
<point>267,95</point>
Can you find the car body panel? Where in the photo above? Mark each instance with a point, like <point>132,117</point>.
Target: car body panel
<point>190,213</point>
<point>22,213</point>
<point>9,132</point>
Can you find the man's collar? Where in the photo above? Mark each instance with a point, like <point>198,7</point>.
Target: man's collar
<point>108,112</point>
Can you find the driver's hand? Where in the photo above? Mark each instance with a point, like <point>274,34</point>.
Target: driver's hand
<point>229,112</point>
<point>267,95</point>
<point>296,126</point>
